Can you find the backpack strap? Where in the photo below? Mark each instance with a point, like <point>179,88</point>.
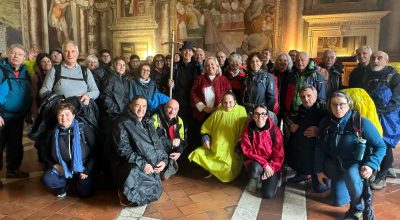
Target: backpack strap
<point>58,76</point>
<point>6,77</point>
<point>357,124</point>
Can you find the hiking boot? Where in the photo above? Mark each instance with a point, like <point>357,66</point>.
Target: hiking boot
<point>298,178</point>
<point>391,173</point>
<point>379,183</point>
<point>352,214</point>
<point>123,200</point>
<point>16,174</point>
<point>252,185</point>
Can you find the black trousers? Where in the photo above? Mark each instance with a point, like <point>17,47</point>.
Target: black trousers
<point>268,186</point>
<point>11,140</point>
<point>387,162</point>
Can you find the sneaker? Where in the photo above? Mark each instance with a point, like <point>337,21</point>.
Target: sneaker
<point>352,214</point>
<point>123,200</point>
<point>62,194</point>
<point>252,185</point>
<point>391,173</point>
<point>16,174</point>
<point>298,178</point>
<point>379,183</point>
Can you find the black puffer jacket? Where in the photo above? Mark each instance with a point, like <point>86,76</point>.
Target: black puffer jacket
<point>299,154</point>
<point>136,144</point>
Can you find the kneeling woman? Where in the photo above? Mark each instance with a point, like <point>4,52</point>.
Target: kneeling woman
<point>262,146</point>
<point>349,150</point>
<point>69,158</point>
<point>221,133</point>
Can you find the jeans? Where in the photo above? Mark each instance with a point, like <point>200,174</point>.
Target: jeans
<point>318,187</point>
<point>268,186</point>
<point>348,185</point>
<point>57,182</point>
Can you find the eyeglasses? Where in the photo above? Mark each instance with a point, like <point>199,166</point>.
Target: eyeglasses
<point>259,114</point>
<point>340,105</point>
<point>16,54</point>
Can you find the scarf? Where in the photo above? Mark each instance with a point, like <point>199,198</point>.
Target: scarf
<point>144,81</point>
<point>77,165</point>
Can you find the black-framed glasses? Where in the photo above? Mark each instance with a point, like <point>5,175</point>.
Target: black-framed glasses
<point>258,114</point>
<point>340,105</point>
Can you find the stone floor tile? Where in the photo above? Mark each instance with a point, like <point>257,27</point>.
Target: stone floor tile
<point>198,216</point>
<point>171,213</point>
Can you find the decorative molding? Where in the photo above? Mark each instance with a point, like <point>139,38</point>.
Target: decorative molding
<point>346,18</point>
<point>343,25</point>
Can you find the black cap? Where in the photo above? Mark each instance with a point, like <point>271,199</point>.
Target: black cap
<point>186,45</point>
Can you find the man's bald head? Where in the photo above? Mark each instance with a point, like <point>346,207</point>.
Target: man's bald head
<point>379,60</point>
<point>171,108</point>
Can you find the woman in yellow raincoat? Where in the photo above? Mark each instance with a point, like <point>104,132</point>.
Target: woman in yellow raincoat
<point>221,133</point>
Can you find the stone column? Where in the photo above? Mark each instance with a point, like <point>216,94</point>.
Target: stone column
<point>163,29</point>
<point>45,28</point>
<point>82,33</point>
<point>290,25</point>
<point>390,31</point>
<point>103,31</point>
<point>34,34</point>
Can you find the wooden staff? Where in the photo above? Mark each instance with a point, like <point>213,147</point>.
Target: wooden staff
<point>171,73</point>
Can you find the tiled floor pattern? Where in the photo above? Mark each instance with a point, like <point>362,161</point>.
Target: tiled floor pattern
<point>185,196</point>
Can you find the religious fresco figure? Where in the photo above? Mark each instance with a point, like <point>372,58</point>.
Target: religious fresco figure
<point>60,18</point>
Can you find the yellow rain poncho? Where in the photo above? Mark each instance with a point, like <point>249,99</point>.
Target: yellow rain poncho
<point>225,129</point>
<point>365,106</point>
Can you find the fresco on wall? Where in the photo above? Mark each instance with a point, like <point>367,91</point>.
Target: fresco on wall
<point>60,18</point>
<point>60,21</point>
<point>10,23</point>
<point>247,24</point>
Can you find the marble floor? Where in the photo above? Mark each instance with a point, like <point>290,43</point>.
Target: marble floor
<point>185,196</point>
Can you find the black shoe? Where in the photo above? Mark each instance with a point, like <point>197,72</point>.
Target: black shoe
<point>16,174</point>
<point>298,178</point>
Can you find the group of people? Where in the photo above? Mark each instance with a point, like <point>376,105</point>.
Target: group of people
<point>115,116</point>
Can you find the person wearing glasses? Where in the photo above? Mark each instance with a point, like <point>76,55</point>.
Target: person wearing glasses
<point>15,103</point>
<point>262,146</point>
<point>160,73</point>
<point>349,150</point>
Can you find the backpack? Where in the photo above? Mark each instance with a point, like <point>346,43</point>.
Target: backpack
<point>5,84</point>
<point>58,76</point>
<point>356,127</point>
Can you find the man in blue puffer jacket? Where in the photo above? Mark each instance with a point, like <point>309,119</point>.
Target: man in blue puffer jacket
<point>15,103</point>
<point>382,83</point>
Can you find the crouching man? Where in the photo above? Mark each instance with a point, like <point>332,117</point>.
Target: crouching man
<point>138,156</point>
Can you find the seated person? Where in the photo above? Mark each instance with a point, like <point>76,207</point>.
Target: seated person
<point>303,125</point>
<point>68,158</point>
<point>221,133</point>
<point>138,156</point>
<point>146,87</point>
<point>170,128</point>
<point>262,145</point>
